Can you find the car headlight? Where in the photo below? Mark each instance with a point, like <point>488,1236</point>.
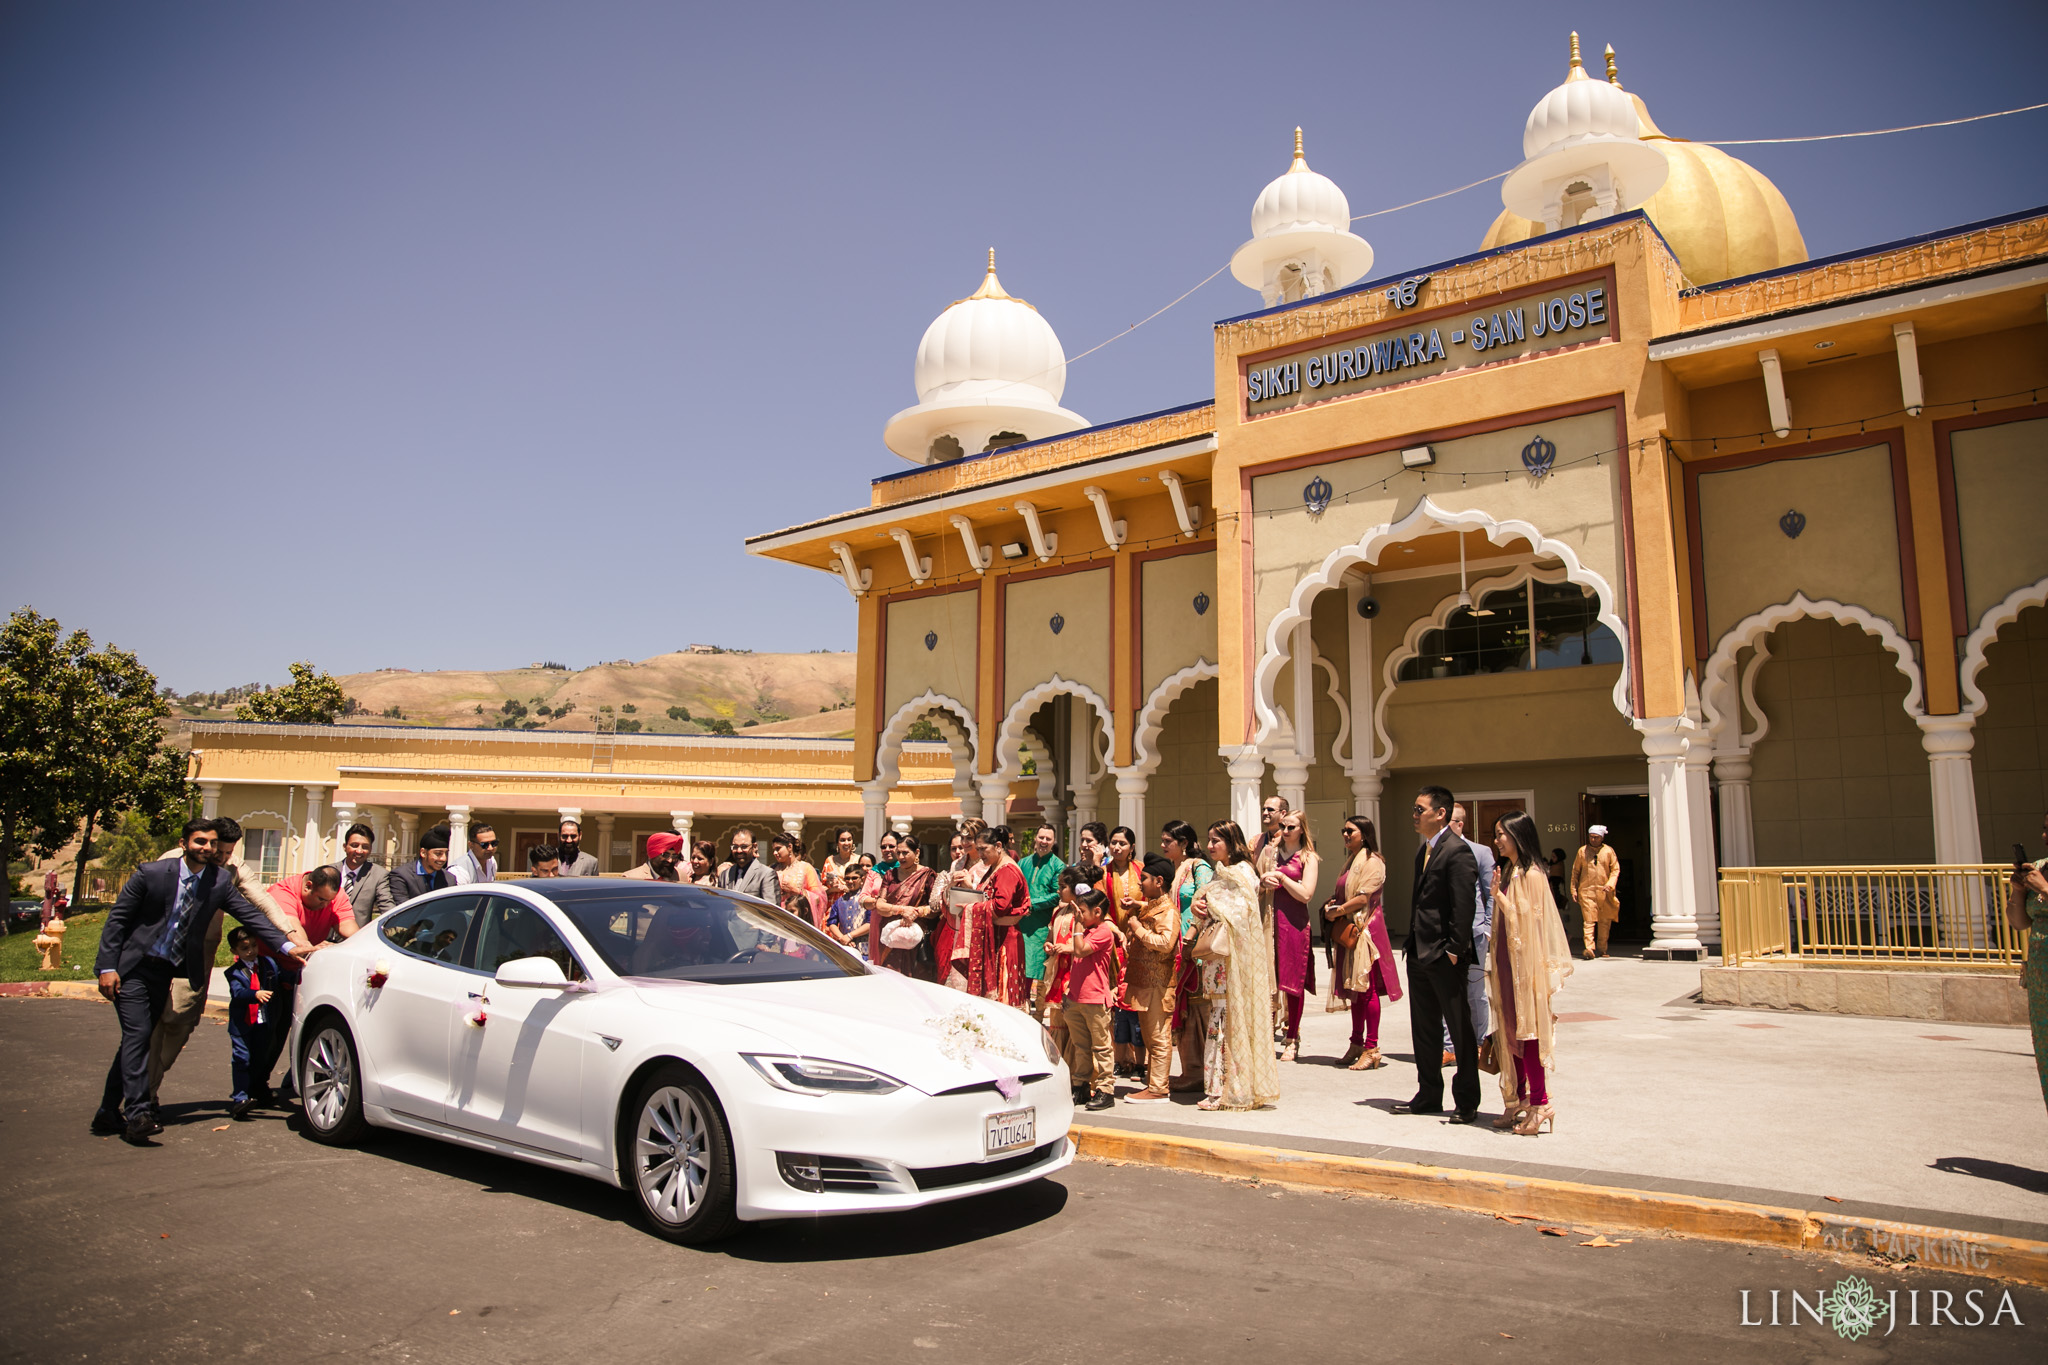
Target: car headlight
<point>810,1076</point>
<point>1052,1049</point>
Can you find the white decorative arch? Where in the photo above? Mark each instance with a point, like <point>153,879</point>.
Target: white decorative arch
<point>889,745</point>
<point>1336,694</point>
<point>1717,696</point>
<point>1411,644</point>
<point>1151,720</point>
<point>1425,517</point>
<point>1011,734</point>
<point>283,820</point>
<point>1995,620</point>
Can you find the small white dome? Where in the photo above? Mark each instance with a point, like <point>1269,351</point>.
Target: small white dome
<point>1302,243</point>
<point>1577,110</point>
<point>1300,199</point>
<point>989,338</point>
<point>990,372</point>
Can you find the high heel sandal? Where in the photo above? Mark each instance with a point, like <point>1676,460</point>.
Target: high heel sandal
<point>1369,1060</point>
<point>1513,1117</point>
<point>1287,1053</point>
<point>1539,1117</point>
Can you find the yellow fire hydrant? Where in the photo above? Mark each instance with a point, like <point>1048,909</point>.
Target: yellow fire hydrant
<point>50,942</point>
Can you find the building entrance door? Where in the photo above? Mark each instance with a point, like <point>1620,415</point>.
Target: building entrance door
<point>1628,833</point>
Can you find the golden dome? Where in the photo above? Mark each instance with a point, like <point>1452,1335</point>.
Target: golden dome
<point>1722,217</point>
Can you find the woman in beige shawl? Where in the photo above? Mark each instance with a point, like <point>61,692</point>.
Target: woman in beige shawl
<point>1363,972</point>
<point>1529,961</point>
<point>1238,1070</point>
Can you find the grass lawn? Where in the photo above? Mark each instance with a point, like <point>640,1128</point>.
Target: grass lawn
<point>18,955</point>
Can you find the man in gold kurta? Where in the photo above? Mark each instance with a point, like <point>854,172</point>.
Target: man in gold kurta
<point>1596,872</point>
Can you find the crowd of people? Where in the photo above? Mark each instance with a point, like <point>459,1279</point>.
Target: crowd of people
<point>1203,950</point>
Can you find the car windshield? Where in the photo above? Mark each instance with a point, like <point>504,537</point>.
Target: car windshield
<point>693,933</point>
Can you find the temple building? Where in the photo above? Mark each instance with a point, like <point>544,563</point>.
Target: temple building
<point>1634,515</point>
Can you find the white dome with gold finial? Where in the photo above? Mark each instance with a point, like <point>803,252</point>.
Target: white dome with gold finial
<point>989,373</point>
<point>1302,243</point>
<point>1584,157</point>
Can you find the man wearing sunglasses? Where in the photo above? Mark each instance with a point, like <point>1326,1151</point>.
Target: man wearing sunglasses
<point>480,864</point>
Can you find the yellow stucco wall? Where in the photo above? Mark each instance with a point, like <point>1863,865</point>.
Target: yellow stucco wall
<point>947,669</point>
<point>1175,634</point>
<point>1848,551</point>
<point>2001,488</point>
<point>1841,776</point>
<point>2010,761</point>
<point>1079,652</point>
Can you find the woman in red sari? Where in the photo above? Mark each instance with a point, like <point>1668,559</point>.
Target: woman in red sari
<point>995,950</point>
<point>905,899</point>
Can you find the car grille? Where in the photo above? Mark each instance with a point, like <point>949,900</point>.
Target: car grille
<point>973,1172</point>
<point>990,1087</point>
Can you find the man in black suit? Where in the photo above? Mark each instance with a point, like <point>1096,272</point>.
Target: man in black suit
<point>427,872</point>
<point>155,933</point>
<point>1439,947</point>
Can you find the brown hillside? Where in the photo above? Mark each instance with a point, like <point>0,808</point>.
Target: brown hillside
<point>735,687</point>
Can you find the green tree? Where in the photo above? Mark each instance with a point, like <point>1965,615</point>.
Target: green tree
<point>37,675</point>
<point>922,731</point>
<point>678,713</point>
<point>717,725</point>
<point>628,708</point>
<point>130,843</point>
<point>310,698</point>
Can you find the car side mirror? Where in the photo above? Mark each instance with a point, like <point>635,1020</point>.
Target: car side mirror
<point>534,973</point>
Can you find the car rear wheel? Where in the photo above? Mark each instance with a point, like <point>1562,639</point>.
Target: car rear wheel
<point>331,1085</point>
<point>678,1159</point>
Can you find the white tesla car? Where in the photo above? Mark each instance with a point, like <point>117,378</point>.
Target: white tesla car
<point>716,1058</point>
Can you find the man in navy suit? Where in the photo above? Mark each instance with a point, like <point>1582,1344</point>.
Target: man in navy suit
<point>156,933</point>
<point>1439,948</point>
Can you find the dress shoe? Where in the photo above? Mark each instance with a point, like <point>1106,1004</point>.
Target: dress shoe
<point>239,1110</point>
<point>136,1132</point>
<point>1465,1116</point>
<point>106,1123</point>
<point>1101,1101</point>
<point>1416,1106</point>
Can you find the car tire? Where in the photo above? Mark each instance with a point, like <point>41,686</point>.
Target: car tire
<point>675,1158</point>
<point>331,1084</point>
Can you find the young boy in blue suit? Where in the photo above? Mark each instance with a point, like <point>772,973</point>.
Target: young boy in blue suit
<point>252,979</point>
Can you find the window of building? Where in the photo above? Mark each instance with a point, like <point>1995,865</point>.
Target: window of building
<point>1495,634</point>
<point>262,851</point>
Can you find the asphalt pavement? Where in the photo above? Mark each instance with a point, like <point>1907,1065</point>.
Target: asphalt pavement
<point>246,1240</point>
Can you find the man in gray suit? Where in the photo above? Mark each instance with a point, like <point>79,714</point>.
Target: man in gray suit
<point>367,884</point>
<point>569,843</point>
<point>1482,931</point>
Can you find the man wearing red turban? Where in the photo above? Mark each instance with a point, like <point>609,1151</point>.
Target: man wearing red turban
<point>664,852</point>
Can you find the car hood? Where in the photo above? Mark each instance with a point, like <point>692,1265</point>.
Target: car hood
<point>923,1035</point>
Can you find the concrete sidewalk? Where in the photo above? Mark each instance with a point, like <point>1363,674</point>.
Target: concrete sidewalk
<point>1899,1120</point>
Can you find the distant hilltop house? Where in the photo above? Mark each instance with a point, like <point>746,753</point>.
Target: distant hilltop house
<point>713,649</point>
<point>550,666</point>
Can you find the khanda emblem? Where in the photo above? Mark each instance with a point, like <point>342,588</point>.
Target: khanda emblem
<point>1201,604</point>
<point>1058,623</point>
<point>1402,295</point>
<point>1538,456</point>
<point>1792,523</point>
<point>931,640</point>
<point>1316,497</point>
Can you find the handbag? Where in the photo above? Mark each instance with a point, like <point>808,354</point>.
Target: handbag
<point>1489,1056</point>
<point>1346,932</point>
<point>902,934</point>
<point>1214,940</point>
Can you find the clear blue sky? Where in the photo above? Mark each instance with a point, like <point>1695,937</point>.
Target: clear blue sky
<point>442,335</point>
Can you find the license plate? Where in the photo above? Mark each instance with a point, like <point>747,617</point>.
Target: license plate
<point>1015,1130</point>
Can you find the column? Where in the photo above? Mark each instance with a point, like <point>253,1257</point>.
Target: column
<point>964,795</point>
<point>899,825</point>
<point>311,844</point>
<point>604,842</point>
<point>1131,786</point>
<point>209,799</point>
<point>1290,770</point>
<point>995,797</point>
<point>458,833</point>
<point>344,816</point>
<point>1050,812</point>
<point>1290,780</point>
<point>1366,788</point>
<point>1738,819</point>
<point>1706,891</point>
<point>1674,932</point>
<point>1247,778</point>
<point>1081,765</point>
<point>874,813</point>
<point>408,838</point>
<point>1948,741</point>
<point>682,821</point>
<point>793,825</point>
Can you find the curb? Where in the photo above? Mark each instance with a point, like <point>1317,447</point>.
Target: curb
<point>80,990</point>
<point>1967,1253</point>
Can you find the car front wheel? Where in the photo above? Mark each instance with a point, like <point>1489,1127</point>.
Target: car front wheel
<point>678,1159</point>
<point>331,1085</point>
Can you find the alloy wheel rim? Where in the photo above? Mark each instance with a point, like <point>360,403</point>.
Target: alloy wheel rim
<point>671,1155</point>
<point>329,1079</point>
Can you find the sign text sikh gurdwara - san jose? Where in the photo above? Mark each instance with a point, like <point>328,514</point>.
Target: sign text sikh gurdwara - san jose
<point>1529,324</point>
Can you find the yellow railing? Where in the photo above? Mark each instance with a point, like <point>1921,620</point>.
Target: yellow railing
<point>1929,915</point>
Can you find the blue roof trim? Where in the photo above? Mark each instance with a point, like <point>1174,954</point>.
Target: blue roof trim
<point>1934,236</point>
<point>1044,441</point>
<point>1385,280</point>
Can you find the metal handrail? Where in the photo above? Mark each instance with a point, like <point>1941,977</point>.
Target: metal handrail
<point>1941,915</point>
